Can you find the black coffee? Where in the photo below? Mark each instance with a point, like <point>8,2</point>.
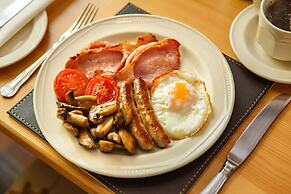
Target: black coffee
<point>279,14</point>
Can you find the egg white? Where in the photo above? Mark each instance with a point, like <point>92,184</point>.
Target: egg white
<point>182,123</point>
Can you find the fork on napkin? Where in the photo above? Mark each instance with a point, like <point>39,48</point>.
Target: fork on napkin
<point>20,19</point>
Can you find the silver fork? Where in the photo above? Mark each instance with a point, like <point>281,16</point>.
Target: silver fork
<point>9,89</point>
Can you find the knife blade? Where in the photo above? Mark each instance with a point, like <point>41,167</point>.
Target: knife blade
<point>248,141</point>
<point>14,8</point>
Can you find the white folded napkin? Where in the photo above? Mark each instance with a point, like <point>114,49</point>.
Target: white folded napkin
<point>21,19</point>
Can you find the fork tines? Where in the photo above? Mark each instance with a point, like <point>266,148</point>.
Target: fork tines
<point>87,16</point>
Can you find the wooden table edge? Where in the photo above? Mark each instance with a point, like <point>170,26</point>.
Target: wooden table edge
<point>43,151</point>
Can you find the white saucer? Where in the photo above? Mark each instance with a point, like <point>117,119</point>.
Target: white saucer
<point>24,41</point>
<point>243,42</point>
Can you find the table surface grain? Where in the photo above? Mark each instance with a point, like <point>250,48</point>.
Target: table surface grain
<point>267,170</point>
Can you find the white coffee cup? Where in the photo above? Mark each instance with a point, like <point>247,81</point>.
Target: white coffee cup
<point>273,40</point>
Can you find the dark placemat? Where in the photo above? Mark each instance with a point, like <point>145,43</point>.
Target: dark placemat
<point>249,89</point>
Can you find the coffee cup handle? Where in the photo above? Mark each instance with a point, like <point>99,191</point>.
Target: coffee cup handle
<point>257,4</point>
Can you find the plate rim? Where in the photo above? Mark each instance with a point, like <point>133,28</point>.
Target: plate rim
<point>39,26</point>
<point>246,62</point>
<point>231,95</point>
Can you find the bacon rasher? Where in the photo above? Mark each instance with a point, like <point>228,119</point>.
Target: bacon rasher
<point>151,60</point>
<point>101,57</point>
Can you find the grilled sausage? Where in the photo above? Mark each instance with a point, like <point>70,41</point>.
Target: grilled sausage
<point>146,112</point>
<point>136,127</point>
<point>126,113</point>
<point>124,104</point>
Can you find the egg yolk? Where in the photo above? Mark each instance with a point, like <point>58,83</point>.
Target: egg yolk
<point>181,96</point>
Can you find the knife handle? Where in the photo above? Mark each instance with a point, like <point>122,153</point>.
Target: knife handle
<point>216,183</point>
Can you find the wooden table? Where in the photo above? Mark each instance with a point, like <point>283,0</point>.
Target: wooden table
<point>268,168</point>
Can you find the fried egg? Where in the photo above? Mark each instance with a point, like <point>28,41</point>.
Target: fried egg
<point>181,103</point>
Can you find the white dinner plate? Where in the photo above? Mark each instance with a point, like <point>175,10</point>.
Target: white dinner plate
<point>243,42</point>
<point>198,55</point>
<point>24,41</point>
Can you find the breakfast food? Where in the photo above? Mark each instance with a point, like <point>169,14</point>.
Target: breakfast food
<point>151,60</point>
<point>103,57</point>
<point>126,96</point>
<point>181,103</point>
<point>148,117</point>
<point>104,88</point>
<point>136,126</point>
<point>70,79</point>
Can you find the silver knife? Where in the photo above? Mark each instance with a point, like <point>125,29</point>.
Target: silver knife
<point>248,141</point>
<point>12,10</point>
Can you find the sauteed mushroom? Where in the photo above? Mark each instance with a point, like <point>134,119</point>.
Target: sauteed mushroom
<point>77,112</point>
<point>62,113</point>
<point>114,137</point>
<point>70,98</point>
<point>77,119</point>
<point>102,129</point>
<point>128,140</point>
<point>94,118</point>
<point>72,129</point>
<point>105,146</point>
<point>105,109</point>
<point>69,107</point>
<point>85,139</point>
<point>85,102</point>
